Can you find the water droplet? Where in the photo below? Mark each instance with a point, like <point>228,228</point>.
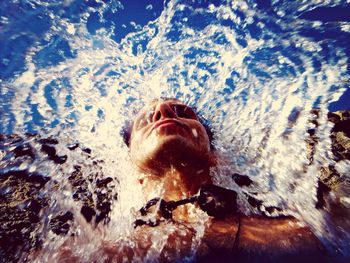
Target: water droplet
<point>195,133</point>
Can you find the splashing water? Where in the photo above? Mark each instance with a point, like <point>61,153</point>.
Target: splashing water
<point>254,71</point>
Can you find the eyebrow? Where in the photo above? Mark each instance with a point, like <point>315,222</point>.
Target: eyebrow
<point>155,104</point>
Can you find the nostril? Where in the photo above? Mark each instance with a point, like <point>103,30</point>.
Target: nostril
<point>163,110</point>
<point>157,116</point>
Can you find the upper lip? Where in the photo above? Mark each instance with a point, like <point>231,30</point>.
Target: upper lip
<point>158,123</point>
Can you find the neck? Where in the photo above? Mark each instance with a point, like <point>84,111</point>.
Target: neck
<point>176,184</point>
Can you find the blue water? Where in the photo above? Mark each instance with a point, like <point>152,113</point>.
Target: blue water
<point>254,69</point>
<point>24,23</point>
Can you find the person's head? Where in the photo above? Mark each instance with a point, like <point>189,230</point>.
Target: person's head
<point>167,133</point>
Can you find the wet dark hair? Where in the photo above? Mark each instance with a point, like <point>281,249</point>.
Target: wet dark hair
<point>127,129</point>
<point>208,129</point>
<point>126,132</point>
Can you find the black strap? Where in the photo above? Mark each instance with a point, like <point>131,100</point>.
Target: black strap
<point>214,200</point>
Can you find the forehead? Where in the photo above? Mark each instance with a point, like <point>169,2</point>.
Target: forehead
<point>152,104</point>
<point>171,101</point>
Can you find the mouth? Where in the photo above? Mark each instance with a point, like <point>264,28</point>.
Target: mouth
<point>164,123</point>
<point>167,123</point>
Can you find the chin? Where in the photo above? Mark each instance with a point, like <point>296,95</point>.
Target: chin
<point>173,146</point>
<point>170,151</point>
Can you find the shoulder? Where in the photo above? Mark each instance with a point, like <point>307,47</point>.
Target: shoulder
<point>220,233</point>
<point>283,237</point>
<point>260,238</point>
<point>218,239</point>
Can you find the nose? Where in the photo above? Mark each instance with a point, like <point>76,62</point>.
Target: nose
<point>163,110</point>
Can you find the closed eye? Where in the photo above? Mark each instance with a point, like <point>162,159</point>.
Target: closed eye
<point>184,111</point>
<point>144,118</point>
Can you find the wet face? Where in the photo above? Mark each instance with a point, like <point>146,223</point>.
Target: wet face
<point>168,134</point>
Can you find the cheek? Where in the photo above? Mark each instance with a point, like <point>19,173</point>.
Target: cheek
<point>140,145</point>
<point>201,137</point>
<point>135,145</point>
<point>196,133</point>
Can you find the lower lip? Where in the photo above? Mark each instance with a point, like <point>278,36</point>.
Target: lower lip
<point>166,124</point>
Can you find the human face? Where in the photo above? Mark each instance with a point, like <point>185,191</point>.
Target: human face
<point>167,133</point>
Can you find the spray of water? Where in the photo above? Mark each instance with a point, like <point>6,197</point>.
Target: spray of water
<point>248,70</point>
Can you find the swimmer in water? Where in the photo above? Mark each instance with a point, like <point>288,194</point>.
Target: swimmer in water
<point>172,149</point>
